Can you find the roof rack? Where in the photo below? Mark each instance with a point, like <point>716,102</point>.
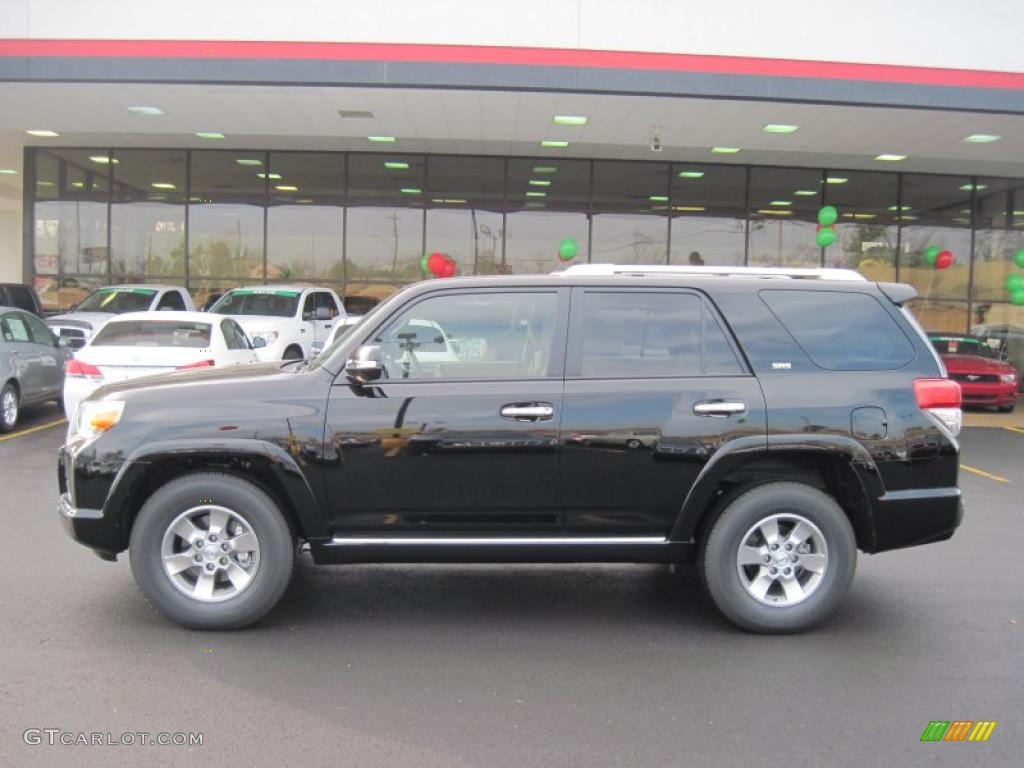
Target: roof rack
<point>640,270</point>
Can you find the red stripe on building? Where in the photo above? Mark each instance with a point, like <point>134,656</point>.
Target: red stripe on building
<point>540,57</point>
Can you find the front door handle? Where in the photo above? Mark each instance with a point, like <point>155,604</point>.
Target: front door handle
<point>528,411</point>
<point>720,408</point>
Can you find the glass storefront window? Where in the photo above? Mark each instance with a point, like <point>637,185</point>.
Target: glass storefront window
<point>227,197</point>
<point>867,225</point>
<point>630,207</point>
<point>784,217</point>
<point>384,220</point>
<point>147,216</point>
<point>464,203</point>
<point>933,315</point>
<point>937,213</point>
<point>305,217</point>
<point>72,190</point>
<point>996,239</point>
<point>708,214</point>
<point>541,216</point>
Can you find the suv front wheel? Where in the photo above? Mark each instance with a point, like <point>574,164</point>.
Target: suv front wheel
<point>780,558</point>
<point>211,551</point>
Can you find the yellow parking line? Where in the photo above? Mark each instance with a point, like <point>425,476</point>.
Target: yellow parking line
<point>983,473</point>
<point>1015,429</point>
<point>30,430</point>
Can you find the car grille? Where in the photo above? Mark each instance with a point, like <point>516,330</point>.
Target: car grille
<point>975,378</point>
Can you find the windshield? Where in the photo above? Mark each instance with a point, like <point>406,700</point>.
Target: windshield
<point>153,333</point>
<point>257,301</point>
<point>964,345</point>
<point>118,300</point>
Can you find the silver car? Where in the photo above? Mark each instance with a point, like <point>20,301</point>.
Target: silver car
<point>31,364</point>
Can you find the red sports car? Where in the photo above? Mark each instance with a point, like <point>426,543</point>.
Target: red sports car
<point>984,378</point>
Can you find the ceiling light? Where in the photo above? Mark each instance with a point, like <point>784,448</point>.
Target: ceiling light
<point>975,187</point>
<point>449,200</point>
<point>890,158</point>
<point>209,135</point>
<point>381,139</point>
<point>544,169</point>
<point>540,183</point>
<point>1014,213</point>
<point>781,202</point>
<point>162,185</point>
<point>691,174</point>
<point>534,204</point>
<point>411,191</point>
<point>859,215</point>
<point>805,192</point>
<point>8,172</point>
<point>770,212</point>
<point>536,194</point>
<point>248,161</point>
<point>103,159</point>
<point>394,165</point>
<point>271,176</point>
<point>156,197</point>
<point>725,150</point>
<point>42,133</point>
<point>981,138</point>
<point>570,120</point>
<point>780,128</point>
<point>900,208</point>
<point>554,144</point>
<point>354,113</point>
<point>689,208</point>
<point>78,184</point>
<point>286,188</point>
<point>44,184</point>
<point>145,110</point>
<point>304,200</point>
<point>836,180</point>
<point>658,198</point>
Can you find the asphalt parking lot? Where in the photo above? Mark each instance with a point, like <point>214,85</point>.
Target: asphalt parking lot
<point>516,665</point>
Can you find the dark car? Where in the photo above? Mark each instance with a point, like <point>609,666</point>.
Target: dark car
<point>984,378</point>
<point>21,296</point>
<point>766,423</point>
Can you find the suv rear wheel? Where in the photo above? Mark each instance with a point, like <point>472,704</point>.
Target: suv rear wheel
<point>780,558</point>
<point>211,551</point>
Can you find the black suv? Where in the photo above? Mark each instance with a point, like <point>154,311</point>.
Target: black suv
<point>769,423</point>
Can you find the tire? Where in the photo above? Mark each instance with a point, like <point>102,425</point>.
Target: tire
<point>293,352</point>
<point>1007,408</point>
<point>831,545</point>
<point>10,403</point>
<point>267,568</point>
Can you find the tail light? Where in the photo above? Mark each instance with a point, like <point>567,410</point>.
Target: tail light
<point>76,367</point>
<point>200,364</point>
<point>941,398</point>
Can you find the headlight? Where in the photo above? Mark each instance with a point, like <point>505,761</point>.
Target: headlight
<point>1008,378</point>
<point>94,417</point>
<point>269,337</point>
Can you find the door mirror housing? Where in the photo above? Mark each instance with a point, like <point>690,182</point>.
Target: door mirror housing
<point>64,342</point>
<point>366,365</point>
<point>258,342</point>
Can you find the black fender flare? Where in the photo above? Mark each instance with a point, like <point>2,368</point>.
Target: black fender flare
<point>740,451</point>
<point>305,508</point>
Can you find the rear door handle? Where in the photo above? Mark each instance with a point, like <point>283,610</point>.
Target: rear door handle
<point>528,411</point>
<point>720,408</point>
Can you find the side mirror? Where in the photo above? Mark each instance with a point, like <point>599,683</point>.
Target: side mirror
<point>258,342</point>
<point>63,342</point>
<point>322,313</point>
<point>365,365</point>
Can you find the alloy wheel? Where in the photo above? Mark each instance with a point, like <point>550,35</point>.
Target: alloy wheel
<point>782,559</point>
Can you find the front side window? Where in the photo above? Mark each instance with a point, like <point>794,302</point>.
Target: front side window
<point>41,333</point>
<point>118,300</point>
<point>472,336</point>
<point>257,301</point>
<point>641,334</point>
<point>234,336</point>
<point>14,328</point>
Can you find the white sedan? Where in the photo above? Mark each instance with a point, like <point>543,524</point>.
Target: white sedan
<point>146,343</point>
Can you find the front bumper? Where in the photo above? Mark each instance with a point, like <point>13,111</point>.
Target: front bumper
<point>988,393</point>
<point>86,526</point>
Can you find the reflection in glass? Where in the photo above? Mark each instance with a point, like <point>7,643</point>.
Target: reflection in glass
<point>630,207</point>
<point>546,200</point>
<point>940,315</point>
<point>937,213</point>
<point>783,221</point>
<point>998,237</point>
<point>867,223</point>
<point>464,212</point>
<point>708,215</point>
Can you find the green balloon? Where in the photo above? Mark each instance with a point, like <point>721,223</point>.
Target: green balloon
<point>567,249</point>
<point>930,254</point>
<point>1018,258</point>
<point>825,237</point>
<point>1017,297</point>
<point>827,215</point>
<point>1014,282</point>
<point>423,263</point>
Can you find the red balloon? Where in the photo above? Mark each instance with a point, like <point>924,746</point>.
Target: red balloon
<point>449,268</point>
<point>944,260</point>
<point>435,263</point>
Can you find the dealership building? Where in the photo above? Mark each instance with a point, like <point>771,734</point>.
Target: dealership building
<point>218,144</point>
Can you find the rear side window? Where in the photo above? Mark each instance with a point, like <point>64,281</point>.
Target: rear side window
<point>154,333</point>
<point>842,331</point>
<point>638,334</point>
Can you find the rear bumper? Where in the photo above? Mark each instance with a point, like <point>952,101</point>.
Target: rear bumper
<point>921,516</point>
